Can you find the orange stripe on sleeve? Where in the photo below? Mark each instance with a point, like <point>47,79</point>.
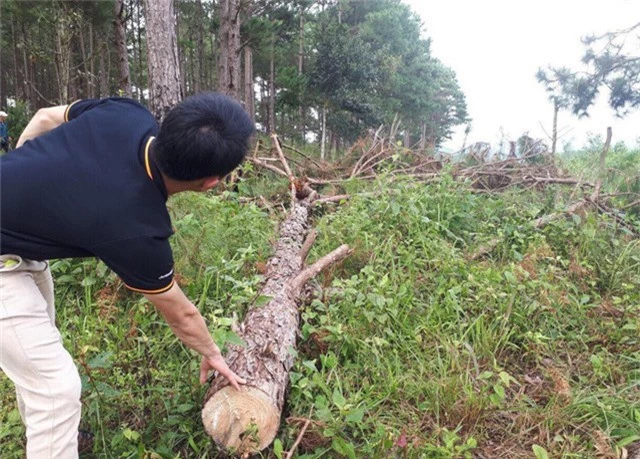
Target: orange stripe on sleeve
<point>66,111</point>
<point>146,157</point>
<point>151,292</point>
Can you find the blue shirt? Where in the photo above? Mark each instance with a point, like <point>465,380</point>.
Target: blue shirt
<point>90,188</point>
<point>4,134</point>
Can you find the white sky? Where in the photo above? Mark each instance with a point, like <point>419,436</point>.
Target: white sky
<point>496,47</point>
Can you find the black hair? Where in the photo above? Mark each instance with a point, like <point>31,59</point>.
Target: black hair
<point>204,135</point>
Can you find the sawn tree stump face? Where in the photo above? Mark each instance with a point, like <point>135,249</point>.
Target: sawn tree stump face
<point>248,420</point>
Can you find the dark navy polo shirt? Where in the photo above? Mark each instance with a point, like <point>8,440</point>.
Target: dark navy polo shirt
<point>90,188</point>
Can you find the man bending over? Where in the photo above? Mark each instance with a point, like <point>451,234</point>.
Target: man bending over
<point>91,179</point>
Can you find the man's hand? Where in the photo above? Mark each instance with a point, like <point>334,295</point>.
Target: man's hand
<point>188,325</point>
<point>217,363</point>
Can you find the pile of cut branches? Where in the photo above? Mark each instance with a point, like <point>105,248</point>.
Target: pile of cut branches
<point>379,153</point>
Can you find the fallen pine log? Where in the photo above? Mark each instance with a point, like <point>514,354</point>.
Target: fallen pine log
<point>247,420</point>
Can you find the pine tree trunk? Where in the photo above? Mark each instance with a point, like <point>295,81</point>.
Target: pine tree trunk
<point>229,59</point>
<point>25,73</point>
<point>200,60</point>
<point>554,139</point>
<point>16,78</point>
<point>423,137</point>
<point>104,72</point>
<point>63,55</point>
<point>407,138</point>
<point>136,68</point>
<point>140,76</point>
<point>85,65</point>
<point>323,141</point>
<point>272,90</point>
<point>249,92</point>
<point>92,63</point>
<point>301,109</point>
<point>249,96</point>
<point>120,38</point>
<point>162,56</point>
<point>264,106</point>
<point>182,64</point>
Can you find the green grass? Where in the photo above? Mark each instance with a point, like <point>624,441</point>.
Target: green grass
<point>408,349</point>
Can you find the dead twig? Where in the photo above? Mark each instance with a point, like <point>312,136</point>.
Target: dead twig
<point>336,198</point>
<point>298,440</point>
<point>308,243</point>
<point>336,256</point>
<point>285,164</point>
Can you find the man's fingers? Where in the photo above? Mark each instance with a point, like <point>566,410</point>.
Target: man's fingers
<point>203,375</point>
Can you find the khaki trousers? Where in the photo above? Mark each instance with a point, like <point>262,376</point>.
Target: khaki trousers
<point>32,356</point>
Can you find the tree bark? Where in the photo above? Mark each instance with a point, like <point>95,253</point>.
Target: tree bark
<point>182,64</point>
<point>269,332</point>
<point>554,137</point>
<point>249,92</point>
<point>423,137</point>
<point>301,108</point>
<point>16,79</point>
<point>272,90</point>
<point>104,73</point>
<point>162,56</point>
<point>85,65</point>
<point>136,69</point>
<point>200,60</point>
<point>140,76</point>
<point>323,139</point>
<point>92,63</point>
<point>25,74</point>
<point>264,106</point>
<point>249,96</point>
<point>229,59</point>
<point>120,39</point>
<point>63,54</point>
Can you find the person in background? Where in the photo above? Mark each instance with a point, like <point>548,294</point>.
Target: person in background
<point>4,132</point>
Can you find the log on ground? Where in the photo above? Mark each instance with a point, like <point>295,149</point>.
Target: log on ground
<point>247,420</point>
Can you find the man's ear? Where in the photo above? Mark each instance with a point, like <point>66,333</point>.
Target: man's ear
<point>209,182</point>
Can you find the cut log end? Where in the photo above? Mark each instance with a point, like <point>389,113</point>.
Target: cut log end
<point>243,421</point>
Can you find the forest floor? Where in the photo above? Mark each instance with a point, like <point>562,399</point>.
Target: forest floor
<point>407,349</point>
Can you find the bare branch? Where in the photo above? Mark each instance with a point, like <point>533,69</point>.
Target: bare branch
<point>334,257</point>
<point>308,243</point>
<point>298,440</point>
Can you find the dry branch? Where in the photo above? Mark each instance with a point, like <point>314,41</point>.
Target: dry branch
<point>308,243</point>
<point>336,198</point>
<point>298,440</point>
<point>283,160</point>
<point>537,223</point>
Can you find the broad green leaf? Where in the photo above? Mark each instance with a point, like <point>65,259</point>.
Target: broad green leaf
<point>355,416</point>
<point>338,399</point>
<point>277,448</point>
<point>540,452</point>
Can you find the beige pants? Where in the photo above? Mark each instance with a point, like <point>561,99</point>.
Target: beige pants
<point>32,356</point>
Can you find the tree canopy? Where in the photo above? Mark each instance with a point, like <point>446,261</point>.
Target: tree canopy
<point>361,64</point>
<point>612,62</point>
